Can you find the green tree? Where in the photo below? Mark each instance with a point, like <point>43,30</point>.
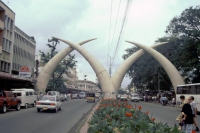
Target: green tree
<point>183,37</point>
<point>57,80</point>
<point>186,28</point>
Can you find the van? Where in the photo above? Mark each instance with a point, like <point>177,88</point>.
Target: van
<point>27,96</point>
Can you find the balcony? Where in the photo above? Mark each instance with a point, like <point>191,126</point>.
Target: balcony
<point>1,25</point>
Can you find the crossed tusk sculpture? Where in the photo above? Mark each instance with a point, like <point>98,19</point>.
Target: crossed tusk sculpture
<point>109,85</point>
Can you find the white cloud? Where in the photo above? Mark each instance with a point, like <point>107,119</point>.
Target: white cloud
<point>78,20</point>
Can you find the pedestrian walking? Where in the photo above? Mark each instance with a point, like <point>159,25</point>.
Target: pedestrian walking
<point>179,117</point>
<point>187,118</point>
<point>173,101</point>
<point>194,111</point>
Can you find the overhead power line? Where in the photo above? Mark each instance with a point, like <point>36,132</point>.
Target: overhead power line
<point>122,28</point>
<point>115,25</point>
<point>110,26</point>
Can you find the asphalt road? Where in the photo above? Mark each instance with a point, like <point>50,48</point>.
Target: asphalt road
<point>165,114</point>
<point>30,121</point>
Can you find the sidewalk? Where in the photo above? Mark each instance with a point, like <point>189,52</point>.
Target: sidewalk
<point>169,104</point>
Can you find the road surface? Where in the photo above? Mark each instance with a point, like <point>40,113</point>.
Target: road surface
<point>30,121</point>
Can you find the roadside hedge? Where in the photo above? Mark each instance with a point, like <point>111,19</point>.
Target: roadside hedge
<point>113,116</point>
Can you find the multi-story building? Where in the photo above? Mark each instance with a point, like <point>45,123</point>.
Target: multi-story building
<point>71,78</point>
<point>17,50</point>
<point>23,51</point>
<point>7,19</point>
<point>87,86</point>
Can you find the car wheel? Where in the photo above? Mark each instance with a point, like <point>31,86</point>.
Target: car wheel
<point>26,106</point>
<point>4,108</point>
<point>55,110</point>
<point>60,108</point>
<point>33,104</point>
<point>38,110</point>
<point>18,106</point>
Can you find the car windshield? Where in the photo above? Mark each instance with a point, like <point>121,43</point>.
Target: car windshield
<point>82,93</point>
<point>135,95</point>
<point>48,98</point>
<point>90,95</point>
<point>51,93</point>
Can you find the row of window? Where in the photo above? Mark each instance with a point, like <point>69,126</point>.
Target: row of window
<point>87,86</point>
<point>8,23</point>
<point>23,53</point>
<point>22,39</point>
<point>7,45</point>
<point>5,66</point>
<point>188,90</point>
<point>16,66</point>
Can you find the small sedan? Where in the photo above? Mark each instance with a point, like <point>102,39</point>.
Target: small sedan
<point>49,103</point>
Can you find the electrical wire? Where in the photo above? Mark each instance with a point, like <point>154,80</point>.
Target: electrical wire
<point>110,27</point>
<point>115,25</point>
<point>122,29</point>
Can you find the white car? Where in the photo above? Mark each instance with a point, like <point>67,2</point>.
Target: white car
<point>49,103</point>
<point>124,97</point>
<point>135,97</point>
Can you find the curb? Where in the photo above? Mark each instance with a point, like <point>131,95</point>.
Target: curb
<point>84,125</point>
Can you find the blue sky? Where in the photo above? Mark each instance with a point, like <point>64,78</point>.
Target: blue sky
<point>78,20</point>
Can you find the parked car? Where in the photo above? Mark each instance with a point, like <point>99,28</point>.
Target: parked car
<point>49,102</point>
<point>123,97</point>
<point>82,95</point>
<point>27,96</point>
<point>135,97</point>
<point>9,100</point>
<point>74,96</point>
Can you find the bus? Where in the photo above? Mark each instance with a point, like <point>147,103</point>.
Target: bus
<point>189,90</point>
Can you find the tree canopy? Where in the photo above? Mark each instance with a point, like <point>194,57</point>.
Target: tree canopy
<point>57,80</point>
<point>182,50</point>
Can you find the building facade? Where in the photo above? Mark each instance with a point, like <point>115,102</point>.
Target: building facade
<point>7,19</point>
<point>87,86</point>
<point>23,51</point>
<point>17,49</point>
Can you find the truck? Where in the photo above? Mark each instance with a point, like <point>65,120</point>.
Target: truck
<point>9,100</point>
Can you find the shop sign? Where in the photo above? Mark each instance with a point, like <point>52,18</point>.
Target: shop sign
<point>25,71</point>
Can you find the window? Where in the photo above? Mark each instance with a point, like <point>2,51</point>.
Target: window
<point>31,93</point>
<point>18,94</point>
<point>27,93</point>
<point>198,89</point>
<point>8,67</point>
<point>57,99</point>
<point>11,25</point>
<point>179,90</point>
<point>9,49</point>
<point>5,20</point>
<point>192,90</point>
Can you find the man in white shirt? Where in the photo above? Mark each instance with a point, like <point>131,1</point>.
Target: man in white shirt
<point>194,111</point>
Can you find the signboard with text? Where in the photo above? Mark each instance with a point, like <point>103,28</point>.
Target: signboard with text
<point>25,71</point>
